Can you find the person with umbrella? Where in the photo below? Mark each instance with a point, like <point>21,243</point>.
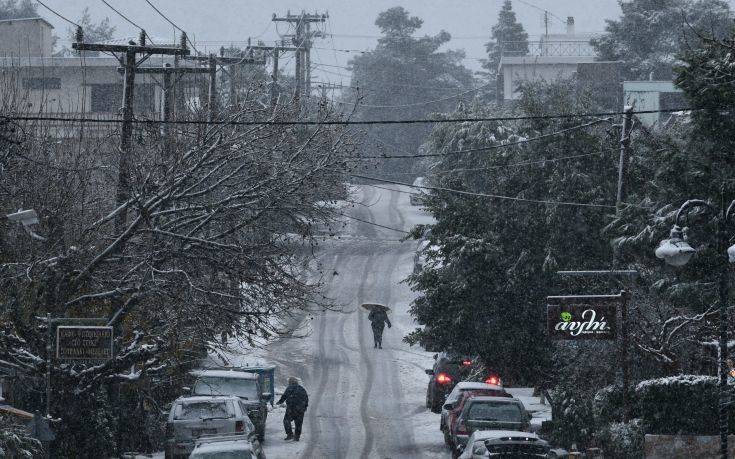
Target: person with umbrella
<point>378,319</point>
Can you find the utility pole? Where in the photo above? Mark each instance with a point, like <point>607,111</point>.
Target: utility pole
<point>129,63</point>
<point>303,40</point>
<point>171,76</point>
<point>275,51</point>
<point>624,155</point>
<point>211,62</point>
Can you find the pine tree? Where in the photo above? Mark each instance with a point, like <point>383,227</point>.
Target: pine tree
<point>508,38</point>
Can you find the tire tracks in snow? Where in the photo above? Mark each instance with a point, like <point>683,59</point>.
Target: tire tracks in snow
<point>364,415</point>
<point>324,373</point>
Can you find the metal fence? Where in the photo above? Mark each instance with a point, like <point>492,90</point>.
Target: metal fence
<point>548,48</point>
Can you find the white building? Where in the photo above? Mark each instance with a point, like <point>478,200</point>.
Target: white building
<point>34,81</point>
<point>652,95</point>
<point>556,57</point>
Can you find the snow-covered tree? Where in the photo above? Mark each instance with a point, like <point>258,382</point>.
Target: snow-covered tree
<point>508,38</point>
<point>397,78</point>
<point>483,290</point>
<point>651,33</point>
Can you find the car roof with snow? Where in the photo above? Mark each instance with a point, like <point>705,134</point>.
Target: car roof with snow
<point>237,374</point>
<point>472,385</point>
<point>488,398</point>
<point>206,398</point>
<point>480,435</point>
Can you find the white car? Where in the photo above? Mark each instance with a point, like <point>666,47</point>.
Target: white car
<point>505,443</point>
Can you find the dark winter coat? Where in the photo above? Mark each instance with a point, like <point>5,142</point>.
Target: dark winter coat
<point>378,319</point>
<point>296,398</point>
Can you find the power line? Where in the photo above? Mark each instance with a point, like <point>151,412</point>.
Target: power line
<point>418,104</point>
<point>491,147</point>
<point>164,16</point>
<point>122,15</point>
<point>486,195</point>
<point>58,14</point>
<point>341,122</point>
<point>518,164</point>
<point>372,223</point>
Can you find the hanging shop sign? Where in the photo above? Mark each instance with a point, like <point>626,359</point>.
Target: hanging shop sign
<point>581,317</point>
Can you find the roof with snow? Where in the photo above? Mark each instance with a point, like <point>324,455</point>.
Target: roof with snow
<point>207,398</point>
<point>233,374</point>
<point>492,434</point>
<point>40,19</point>
<point>470,385</point>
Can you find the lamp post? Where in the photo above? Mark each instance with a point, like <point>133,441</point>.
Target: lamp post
<point>676,251</point>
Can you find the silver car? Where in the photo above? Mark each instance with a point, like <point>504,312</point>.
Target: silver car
<point>489,413</point>
<point>195,418</point>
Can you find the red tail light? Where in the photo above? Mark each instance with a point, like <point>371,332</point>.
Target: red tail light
<point>443,378</point>
<point>493,380</point>
<point>466,362</point>
<point>239,426</point>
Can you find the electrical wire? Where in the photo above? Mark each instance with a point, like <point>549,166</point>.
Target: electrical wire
<point>188,40</point>
<point>486,195</point>
<point>522,163</point>
<point>121,15</point>
<point>491,147</point>
<point>58,14</point>
<point>343,122</point>
<point>372,223</point>
<point>418,104</point>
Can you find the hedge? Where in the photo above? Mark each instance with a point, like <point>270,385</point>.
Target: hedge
<point>684,404</point>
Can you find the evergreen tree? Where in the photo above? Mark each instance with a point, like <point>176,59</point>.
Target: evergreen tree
<point>483,289</point>
<point>650,33</point>
<point>405,77</point>
<point>508,38</point>
<point>11,9</point>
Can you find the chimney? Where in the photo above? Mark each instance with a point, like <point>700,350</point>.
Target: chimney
<point>570,25</point>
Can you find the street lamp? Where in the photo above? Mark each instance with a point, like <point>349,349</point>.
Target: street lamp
<point>676,251</point>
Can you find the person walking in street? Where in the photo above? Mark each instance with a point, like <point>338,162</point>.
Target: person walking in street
<point>297,400</point>
<point>378,319</point>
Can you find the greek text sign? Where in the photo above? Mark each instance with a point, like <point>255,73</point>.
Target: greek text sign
<point>83,343</point>
<point>582,317</point>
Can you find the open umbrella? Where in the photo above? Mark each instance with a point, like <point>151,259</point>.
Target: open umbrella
<point>375,307</point>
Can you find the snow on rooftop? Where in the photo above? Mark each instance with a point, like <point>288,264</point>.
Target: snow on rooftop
<point>234,374</point>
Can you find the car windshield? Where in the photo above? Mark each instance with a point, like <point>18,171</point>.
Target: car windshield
<point>243,388</point>
<point>495,411</point>
<point>204,410</point>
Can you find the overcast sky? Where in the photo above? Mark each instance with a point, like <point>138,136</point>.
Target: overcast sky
<point>213,23</point>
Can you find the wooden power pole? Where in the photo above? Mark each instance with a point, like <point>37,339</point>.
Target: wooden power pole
<point>130,64</point>
<point>302,40</point>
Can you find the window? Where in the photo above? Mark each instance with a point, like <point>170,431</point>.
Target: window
<point>203,410</point>
<point>494,411</point>
<point>107,98</point>
<point>41,83</point>
<point>241,387</point>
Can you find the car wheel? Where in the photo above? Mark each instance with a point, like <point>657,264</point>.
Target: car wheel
<point>428,399</point>
<point>436,405</point>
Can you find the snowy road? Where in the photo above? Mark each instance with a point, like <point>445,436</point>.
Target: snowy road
<point>364,402</point>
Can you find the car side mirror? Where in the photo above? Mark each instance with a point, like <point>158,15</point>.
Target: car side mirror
<point>429,372</point>
<point>266,396</point>
<point>186,390</point>
<point>448,406</point>
<point>436,356</point>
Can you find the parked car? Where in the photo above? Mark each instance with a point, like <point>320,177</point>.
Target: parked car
<point>239,383</point>
<point>488,413</point>
<point>455,401</point>
<point>449,368</point>
<point>228,447</point>
<point>191,418</point>
<point>505,443</point>
<point>417,194</point>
